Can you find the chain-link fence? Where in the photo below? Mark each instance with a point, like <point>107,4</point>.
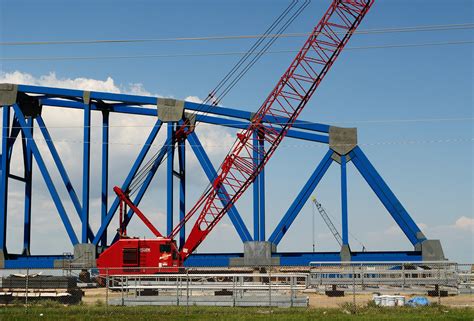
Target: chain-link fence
<point>434,279</point>
<point>270,286</point>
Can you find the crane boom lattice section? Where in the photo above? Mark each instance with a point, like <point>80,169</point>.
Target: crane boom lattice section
<point>328,221</point>
<point>294,89</point>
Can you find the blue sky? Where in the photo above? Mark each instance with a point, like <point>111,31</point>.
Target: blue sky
<point>432,176</point>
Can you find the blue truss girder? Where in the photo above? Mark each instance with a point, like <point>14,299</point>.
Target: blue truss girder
<point>301,199</point>
<point>182,189</point>
<point>138,110</point>
<point>28,173</point>
<point>47,178</point>
<point>107,103</point>
<point>222,259</point>
<point>169,179</point>
<point>128,180</point>
<point>386,196</point>
<point>167,146</point>
<point>211,174</point>
<point>4,178</point>
<point>105,173</point>
<point>147,100</point>
<point>261,190</point>
<point>62,171</point>
<point>15,131</point>
<point>345,222</point>
<point>256,190</point>
<point>86,168</point>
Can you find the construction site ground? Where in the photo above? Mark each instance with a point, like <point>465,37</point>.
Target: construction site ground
<point>96,295</point>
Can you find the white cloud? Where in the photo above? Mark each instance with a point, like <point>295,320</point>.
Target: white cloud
<point>465,224</point>
<point>462,224</point>
<point>51,80</point>
<point>138,89</point>
<point>393,230</point>
<point>422,226</point>
<point>194,99</point>
<point>65,126</point>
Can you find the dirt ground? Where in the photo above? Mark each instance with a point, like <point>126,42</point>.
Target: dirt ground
<point>92,296</point>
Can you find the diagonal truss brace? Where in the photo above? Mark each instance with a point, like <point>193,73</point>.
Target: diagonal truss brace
<point>301,199</point>
<point>44,171</point>
<point>125,185</point>
<point>387,197</point>
<point>62,171</point>
<point>211,174</point>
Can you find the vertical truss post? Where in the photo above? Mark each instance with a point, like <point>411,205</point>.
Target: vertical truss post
<point>28,174</point>
<point>256,190</point>
<point>126,183</point>
<point>4,179</point>
<point>47,178</point>
<point>345,223</point>
<point>105,172</point>
<point>182,188</point>
<point>261,189</point>
<point>86,171</point>
<point>62,170</point>
<point>169,180</point>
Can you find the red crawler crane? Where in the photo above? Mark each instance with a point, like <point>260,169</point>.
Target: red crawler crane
<point>240,167</point>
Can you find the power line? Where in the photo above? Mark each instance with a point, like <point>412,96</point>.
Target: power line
<point>280,24</point>
<point>230,53</point>
<point>422,28</point>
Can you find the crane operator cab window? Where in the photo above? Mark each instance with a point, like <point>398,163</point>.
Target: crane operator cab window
<point>166,248</point>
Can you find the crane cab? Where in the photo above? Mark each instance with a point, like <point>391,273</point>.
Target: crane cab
<point>140,256</point>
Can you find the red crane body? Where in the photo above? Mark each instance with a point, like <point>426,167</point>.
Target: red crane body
<point>291,94</point>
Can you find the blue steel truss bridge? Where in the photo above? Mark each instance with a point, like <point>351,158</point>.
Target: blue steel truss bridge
<point>22,108</point>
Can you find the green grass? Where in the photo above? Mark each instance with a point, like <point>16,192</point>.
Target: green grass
<point>59,312</point>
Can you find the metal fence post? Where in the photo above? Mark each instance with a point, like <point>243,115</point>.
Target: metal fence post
<point>121,286</point>
<point>270,288</point>
<point>446,281</point>
<point>456,277</point>
<point>353,288</point>
<point>107,289</point>
<point>241,286</point>
<point>26,288</point>
<point>403,276</point>
<point>292,280</point>
<point>233,291</point>
<point>187,290</point>
<point>177,290</point>
<point>439,285</point>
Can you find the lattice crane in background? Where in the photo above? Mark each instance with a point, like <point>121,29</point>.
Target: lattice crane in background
<point>327,220</point>
<point>330,225</point>
<point>244,162</point>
